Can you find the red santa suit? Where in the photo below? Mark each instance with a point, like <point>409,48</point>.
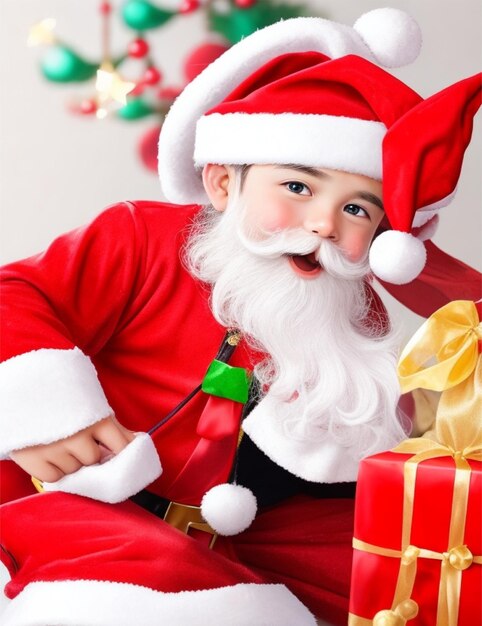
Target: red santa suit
<point>108,320</point>
<point>115,296</point>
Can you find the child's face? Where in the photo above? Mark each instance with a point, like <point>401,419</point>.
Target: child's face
<point>344,208</point>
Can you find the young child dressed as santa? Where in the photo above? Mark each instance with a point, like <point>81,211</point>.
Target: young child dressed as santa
<point>136,348</point>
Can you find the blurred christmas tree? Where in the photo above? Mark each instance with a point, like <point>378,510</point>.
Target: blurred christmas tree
<point>146,94</point>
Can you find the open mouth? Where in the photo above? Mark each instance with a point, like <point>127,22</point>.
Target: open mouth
<point>305,265</point>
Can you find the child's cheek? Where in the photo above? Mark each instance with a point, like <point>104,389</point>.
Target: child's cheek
<point>356,247</point>
<point>275,218</point>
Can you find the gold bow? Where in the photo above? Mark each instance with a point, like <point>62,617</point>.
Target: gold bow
<point>450,337</point>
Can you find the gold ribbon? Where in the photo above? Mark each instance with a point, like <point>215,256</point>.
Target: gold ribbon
<point>450,338</point>
<point>404,608</point>
<point>450,335</point>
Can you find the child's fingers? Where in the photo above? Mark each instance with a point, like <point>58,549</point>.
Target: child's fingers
<point>66,462</point>
<point>52,461</point>
<point>111,436</point>
<point>86,450</point>
<point>37,465</point>
<point>47,472</point>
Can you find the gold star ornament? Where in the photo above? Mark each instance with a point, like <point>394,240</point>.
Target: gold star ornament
<point>42,33</point>
<point>110,85</point>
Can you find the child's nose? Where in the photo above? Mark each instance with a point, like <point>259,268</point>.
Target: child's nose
<point>322,221</point>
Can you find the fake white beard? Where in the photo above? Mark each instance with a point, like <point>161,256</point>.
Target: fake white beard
<point>328,375</point>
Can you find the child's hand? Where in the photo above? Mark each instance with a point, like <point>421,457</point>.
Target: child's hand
<point>52,461</point>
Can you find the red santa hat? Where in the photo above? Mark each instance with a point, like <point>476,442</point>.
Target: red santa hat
<point>386,36</point>
<point>324,103</point>
<point>422,158</point>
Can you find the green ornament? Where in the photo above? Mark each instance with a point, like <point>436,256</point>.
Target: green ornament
<point>226,381</point>
<point>135,109</point>
<point>62,65</point>
<point>142,15</point>
<point>241,22</point>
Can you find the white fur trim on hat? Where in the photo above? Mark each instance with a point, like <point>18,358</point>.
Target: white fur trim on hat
<point>422,217</point>
<point>315,140</point>
<point>229,509</point>
<point>425,213</point>
<point>103,603</point>
<point>393,36</point>
<point>181,182</point>
<point>428,230</point>
<point>46,395</point>
<point>397,257</point>
<point>117,478</point>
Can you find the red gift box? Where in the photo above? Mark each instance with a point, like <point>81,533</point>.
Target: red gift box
<point>401,565</point>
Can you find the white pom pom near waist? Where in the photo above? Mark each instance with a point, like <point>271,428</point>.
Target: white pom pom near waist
<point>229,509</point>
<point>397,257</point>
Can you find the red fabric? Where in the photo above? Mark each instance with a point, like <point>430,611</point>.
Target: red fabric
<point>117,289</point>
<point>312,83</point>
<point>377,318</point>
<point>213,456</point>
<point>305,544</point>
<point>378,521</point>
<point>220,418</point>
<point>14,482</point>
<point>58,536</point>
<point>424,150</point>
<point>443,280</point>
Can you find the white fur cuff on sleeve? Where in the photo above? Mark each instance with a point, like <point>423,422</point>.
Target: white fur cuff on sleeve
<point>118,478</point>
<point>47,395</point>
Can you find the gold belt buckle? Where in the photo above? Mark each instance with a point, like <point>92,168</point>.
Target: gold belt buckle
<point>185,517</point>
<point>38,484</point>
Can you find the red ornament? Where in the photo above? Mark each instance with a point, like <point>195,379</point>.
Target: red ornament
<point>105,8</point>
<point>244,4</point>
<point>152,76</point>
<point>138,89</point>
<point>88,107</point>
<point>188,6</point>
<point>138,48</point>
<point>147,148</point>
<point>201,57</point>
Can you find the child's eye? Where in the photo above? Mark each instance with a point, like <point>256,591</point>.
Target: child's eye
<point>357,211</point>
<point>299,188</point>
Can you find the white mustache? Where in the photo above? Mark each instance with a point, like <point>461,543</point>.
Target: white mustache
<point>331,257</point>
<point>299,242</point>
<point>295,241</point>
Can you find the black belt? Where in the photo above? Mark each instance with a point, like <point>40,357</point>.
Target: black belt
<point>151,502</point>
<point>184,517</point>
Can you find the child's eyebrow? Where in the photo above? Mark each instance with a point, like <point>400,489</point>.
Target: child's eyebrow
<point>370,197</point>
<point>306,169</point>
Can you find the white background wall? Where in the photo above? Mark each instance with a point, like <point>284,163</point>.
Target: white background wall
<point>57,170</point>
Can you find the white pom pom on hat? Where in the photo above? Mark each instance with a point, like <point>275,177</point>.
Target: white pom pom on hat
<point>397,257</point>
<point>229,509</point>
<point>393,36</point>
